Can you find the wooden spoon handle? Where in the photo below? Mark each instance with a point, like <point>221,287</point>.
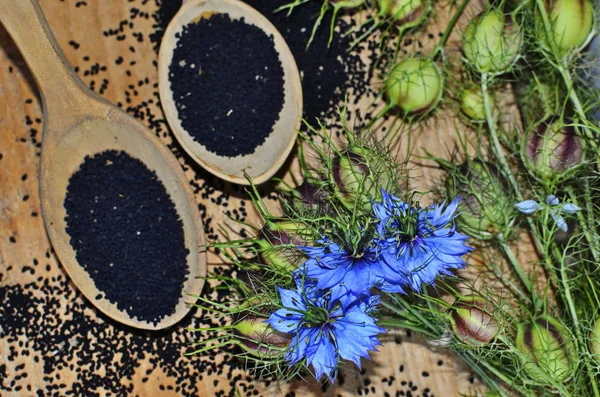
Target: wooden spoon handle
<point>62,91</point>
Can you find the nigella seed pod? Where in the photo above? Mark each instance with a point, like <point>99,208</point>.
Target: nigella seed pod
<point>571,24</point>
<point>547,348</point>
<point>472,105</point>
<point>404,13</point>
<point>257,338</point>
<point>415,85</point>
<point>595,341</point>
<point>309,195</point>
<point>472,322</point>
<point>492,41</point>
<point>358,173</point>
<point>485,208</point>
<point>273,246</point>
<point>552,150</point>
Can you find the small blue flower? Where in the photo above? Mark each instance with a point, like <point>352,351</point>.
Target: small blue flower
<point>553,205</point>
<point>421,243</point>
<point>327,325</point>
<point>528,206</point>
<point>331,265</point>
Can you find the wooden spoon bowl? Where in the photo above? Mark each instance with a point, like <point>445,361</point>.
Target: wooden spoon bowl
<point>78,123</point>
<point>268,157</point>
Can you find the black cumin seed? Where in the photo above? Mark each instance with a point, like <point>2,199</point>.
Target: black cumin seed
<point>227,81</point>
<point>127,234</point>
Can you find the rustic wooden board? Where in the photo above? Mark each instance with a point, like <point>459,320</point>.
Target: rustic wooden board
<point>52,341</point>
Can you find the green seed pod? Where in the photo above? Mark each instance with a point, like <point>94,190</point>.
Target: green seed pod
<point>492,42</point>
<point>405,13</point>
<point>485,208</point>
<point>552,150</point>
<point>571,23</point>
<point>548,349</point>
<point>537,100</point>
<point>472,105</point>
<point>472,322</point>
<point>309,195</point>
<point>274,235</point>
<point>257,338</point>
<point>595,341</point>
<point>415,85</point>
<point>358,175</point>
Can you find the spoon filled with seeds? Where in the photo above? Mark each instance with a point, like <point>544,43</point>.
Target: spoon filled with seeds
<point>230,89</point>
<point>116,204</point>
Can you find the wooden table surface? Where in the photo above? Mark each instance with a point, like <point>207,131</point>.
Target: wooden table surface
<point>53,341</point>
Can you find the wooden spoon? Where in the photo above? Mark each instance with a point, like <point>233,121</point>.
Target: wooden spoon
<point>268,157</point>
<point>78,123</point>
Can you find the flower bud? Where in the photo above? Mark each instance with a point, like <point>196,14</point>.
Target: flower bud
<point>485,208</point>
<point>283,232</point>
<point>256,337</point>
<point>415,85</point>
<point>472,104</point>
<point>358,175</point>
<point>552,150</point>
<point>492,42</point>
<point>571,22</point>
<point>548,349</point>
<point>404,13</point>
<point>472,322</point>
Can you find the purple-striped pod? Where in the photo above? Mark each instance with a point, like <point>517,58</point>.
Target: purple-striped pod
<point>472,322</point>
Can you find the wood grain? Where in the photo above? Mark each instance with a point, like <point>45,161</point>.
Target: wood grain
<point>53,339</point>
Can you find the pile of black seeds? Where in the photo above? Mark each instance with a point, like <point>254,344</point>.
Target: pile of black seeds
<point>329,72</point>
<point>227,83</point>
<point>127,235</point>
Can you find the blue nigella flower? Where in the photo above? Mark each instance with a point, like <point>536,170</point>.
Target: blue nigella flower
<point>554,206</point>
<point>331,265</point>
<point>327,325</point>
<point>421,242</point>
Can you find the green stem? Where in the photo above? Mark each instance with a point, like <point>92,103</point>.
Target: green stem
<point>591,238</point>
<point>408,307</point>
<point>440,46</point>
<point>389,323</point>
<point>508,282</point>
<point>498,151</point>
<point>516,265</point>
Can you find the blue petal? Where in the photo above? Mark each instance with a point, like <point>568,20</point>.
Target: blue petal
<point>284,320</point>
<point>360,278</point>
<point>380,211</point>
<point>355,335</point>
<point>528,206</point>
<point>300,345</point>
<point>570,208</point>
<point>560,221</point>
<point>552,200</point>
<point>292,299</point>
<point>326,278</point>
<point>323,357</point>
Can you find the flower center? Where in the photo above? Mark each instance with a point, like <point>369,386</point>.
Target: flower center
<point>404,226</point>
<point>316,316</point>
